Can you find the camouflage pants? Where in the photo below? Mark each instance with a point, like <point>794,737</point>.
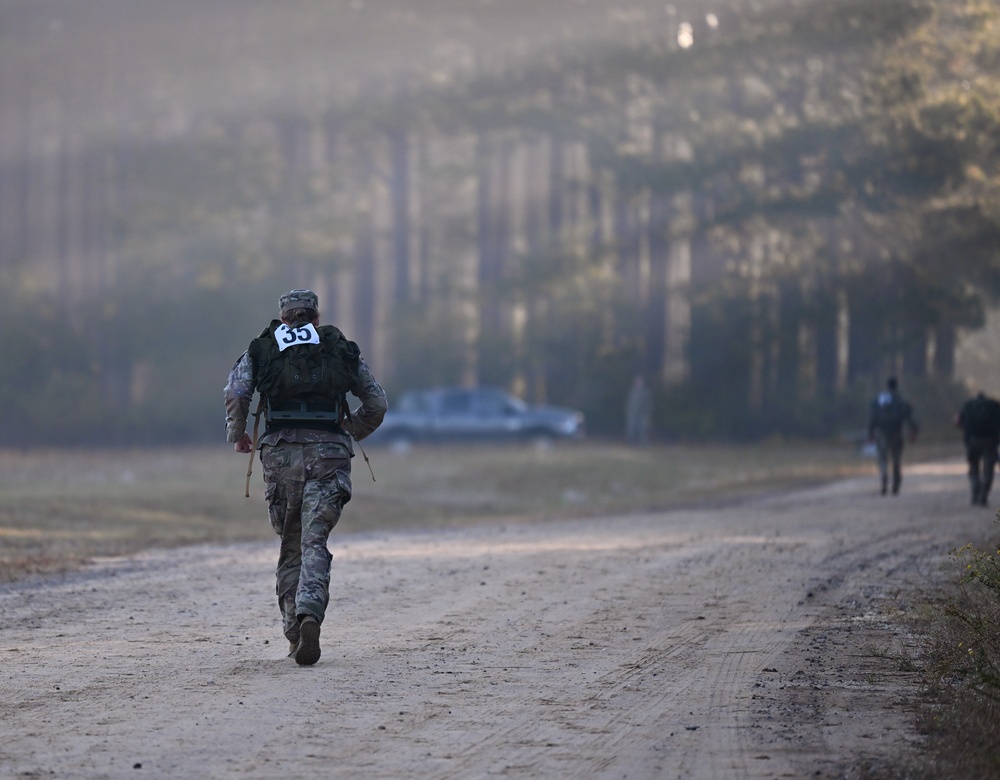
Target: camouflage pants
<point>306,488</point>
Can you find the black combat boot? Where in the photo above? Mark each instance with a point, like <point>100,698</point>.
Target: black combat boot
<point>307,653</point>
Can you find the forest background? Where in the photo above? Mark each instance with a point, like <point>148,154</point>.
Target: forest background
<point>764,207</point>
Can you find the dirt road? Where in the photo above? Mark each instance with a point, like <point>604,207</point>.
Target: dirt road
<point>744,641</point>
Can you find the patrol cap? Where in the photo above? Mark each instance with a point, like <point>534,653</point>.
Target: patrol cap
<point>298,299</point>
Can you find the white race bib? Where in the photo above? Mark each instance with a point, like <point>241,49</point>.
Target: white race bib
<point>300,334</point>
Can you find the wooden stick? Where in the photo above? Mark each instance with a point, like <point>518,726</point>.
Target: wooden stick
<point>253,449</point>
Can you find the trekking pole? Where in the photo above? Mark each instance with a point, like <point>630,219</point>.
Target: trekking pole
<point>345,411</point>
<point>253,449</point>
<point>365,454</point>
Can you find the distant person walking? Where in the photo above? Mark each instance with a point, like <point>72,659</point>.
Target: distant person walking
<point>303,371</point>
<point>979,419</point>
<point>638,412</point>
<point>888,415</point>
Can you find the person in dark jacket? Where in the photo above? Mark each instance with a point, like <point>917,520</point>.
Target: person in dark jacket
<point>979,419</point>
<point>303,371</point>
<point>638,412</point>
<point>889,414</point>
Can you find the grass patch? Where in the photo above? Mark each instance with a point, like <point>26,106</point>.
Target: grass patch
<point>961,664</point>
<point>955,650</point>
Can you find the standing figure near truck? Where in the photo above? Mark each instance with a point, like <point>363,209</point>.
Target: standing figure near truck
<point>638,412</point>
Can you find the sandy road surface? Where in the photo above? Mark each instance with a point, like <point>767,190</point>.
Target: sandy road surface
<point>727,642</point>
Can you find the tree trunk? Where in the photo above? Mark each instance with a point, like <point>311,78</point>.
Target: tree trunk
<point>789,360</point>
<point>826,340</point>
<point>656,311</point>
<point>493,219</point>
<point>945,342</point>
<point>399,188</point>
<point>677,320</point>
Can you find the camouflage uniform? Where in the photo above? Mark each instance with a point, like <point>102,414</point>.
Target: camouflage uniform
<point>307,475</point>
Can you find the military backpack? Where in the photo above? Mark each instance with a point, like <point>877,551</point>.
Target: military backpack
<point>981,416</point>
<point>890,412</point>
<point>304,372</point>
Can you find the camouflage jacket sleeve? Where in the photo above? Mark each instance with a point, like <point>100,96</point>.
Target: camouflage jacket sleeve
<point>238,392</point>
<point>367,417</point>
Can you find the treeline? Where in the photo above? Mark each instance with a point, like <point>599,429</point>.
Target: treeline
<point>765,210</point>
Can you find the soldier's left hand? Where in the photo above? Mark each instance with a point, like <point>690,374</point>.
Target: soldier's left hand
<point>244,445</point>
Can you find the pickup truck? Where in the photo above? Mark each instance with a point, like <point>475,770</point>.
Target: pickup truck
<point>481,413</point>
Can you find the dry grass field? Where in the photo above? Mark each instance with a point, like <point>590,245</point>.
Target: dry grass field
<point>59,508</point>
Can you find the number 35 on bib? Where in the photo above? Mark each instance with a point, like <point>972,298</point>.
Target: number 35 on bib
<point>291,336</point>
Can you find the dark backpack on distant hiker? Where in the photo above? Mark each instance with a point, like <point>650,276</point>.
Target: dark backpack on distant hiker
<point>981,417</point>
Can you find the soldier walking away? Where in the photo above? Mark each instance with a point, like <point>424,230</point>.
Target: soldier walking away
<point>979,419</point>
<point>888,415</point>
<point>303,371</point>
<point>638,412</point>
